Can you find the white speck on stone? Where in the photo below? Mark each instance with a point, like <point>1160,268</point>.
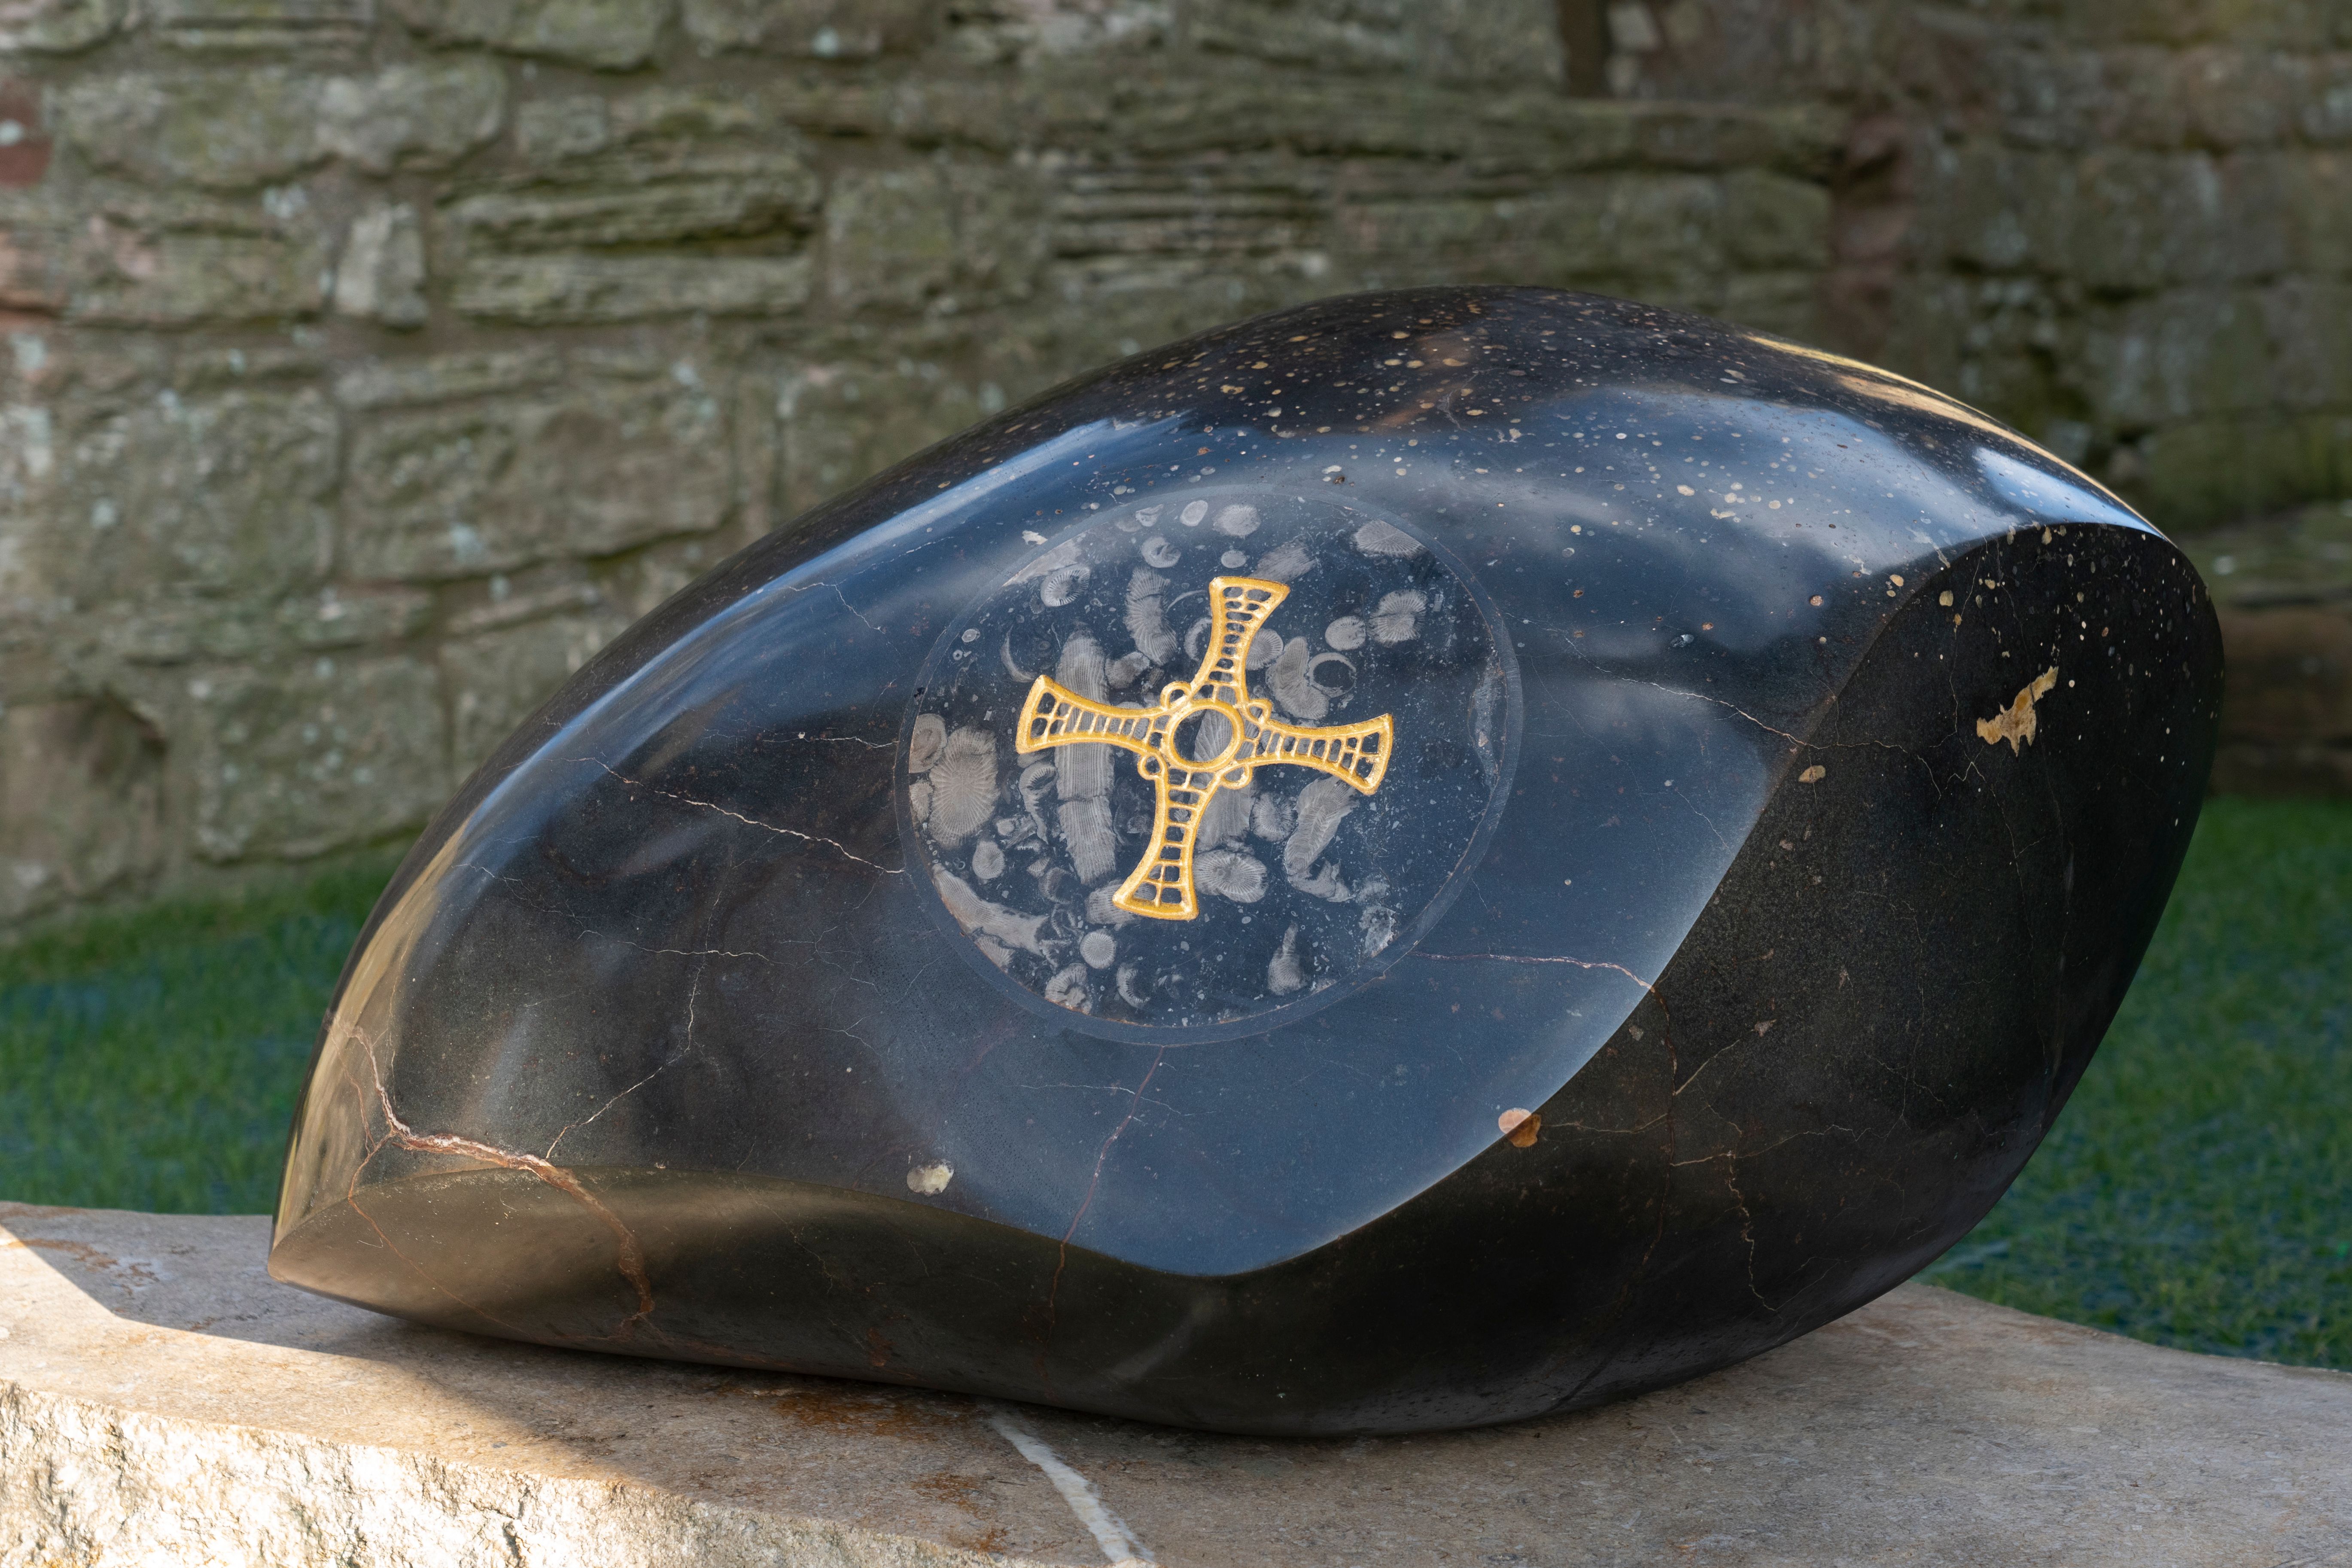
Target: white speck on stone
<point>1321,805</point>
<point>1060,587</point>
<point>981,917</point>
<point>1299,696</point>
<point>1378,538</point>
<point>1231,874</point>
<point>965,785</point>
<point>1285,563</point>
<point>1147,620</point>
<point>1099,949</point>
<point>1070,989</point>
<point>1398,618</point>
<point>925,744</point>
<point>1062,557</point>
<point>987,860</point>
<point>1285,973</point>
<point>930,1180</point>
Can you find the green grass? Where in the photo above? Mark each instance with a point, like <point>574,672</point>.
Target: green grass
<point>149,1060</point>
<point>2198,1190</point>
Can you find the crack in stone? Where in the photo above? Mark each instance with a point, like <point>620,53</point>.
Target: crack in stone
<point>846,604</point>
<point>1698,1072</point>
<point>1722,702</point>
<point>588,930</point>
<point>1062,1259</point>
<point>1113,1088</point>
<point>352,1196</point>
<point>1531,958</point>
<point>1606,1132</point>
<point>1767,1148</point>
<point>846,740</point>
<point>1746,1228</point>
<point>850,1029</point>
<point>693,992</point>
<point>1666,1038</point>
<point>1703,817</point>
<point>1796,741</point>
<point>1641,1268</point>
<point>793,590</point>
<point>845,852</point>
<point>1731,1158</point>
<point>629,1257</point>
<point>681,952</point>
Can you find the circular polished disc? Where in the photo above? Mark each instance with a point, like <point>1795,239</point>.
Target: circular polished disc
<point>1253,740</point>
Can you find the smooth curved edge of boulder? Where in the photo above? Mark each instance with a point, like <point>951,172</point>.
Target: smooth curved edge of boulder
<point>1764,1261</point>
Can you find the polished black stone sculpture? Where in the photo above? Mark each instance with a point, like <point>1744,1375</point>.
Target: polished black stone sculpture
<point>1429,858</point>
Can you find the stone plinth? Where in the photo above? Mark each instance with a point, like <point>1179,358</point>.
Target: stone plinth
<point>163,1400</point>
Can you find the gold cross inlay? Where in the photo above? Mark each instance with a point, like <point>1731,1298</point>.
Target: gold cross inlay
<point>1162,885</point>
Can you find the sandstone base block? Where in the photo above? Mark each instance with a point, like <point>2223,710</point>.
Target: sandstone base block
<point>163,1401</point>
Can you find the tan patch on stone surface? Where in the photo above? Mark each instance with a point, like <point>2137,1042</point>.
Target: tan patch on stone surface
<point>2015,723</point>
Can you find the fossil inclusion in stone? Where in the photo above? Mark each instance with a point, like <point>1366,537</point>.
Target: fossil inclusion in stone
<point>1425,859</point>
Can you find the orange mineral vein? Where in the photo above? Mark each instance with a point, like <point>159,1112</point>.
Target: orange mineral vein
<point>1161,886</point>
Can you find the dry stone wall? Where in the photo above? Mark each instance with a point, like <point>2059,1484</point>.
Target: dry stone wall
<point>2147,235</point>
<point>368,363</point>
<point>2124,225</point>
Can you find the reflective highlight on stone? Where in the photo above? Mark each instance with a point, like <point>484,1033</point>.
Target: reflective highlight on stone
<point>1784,768</point>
